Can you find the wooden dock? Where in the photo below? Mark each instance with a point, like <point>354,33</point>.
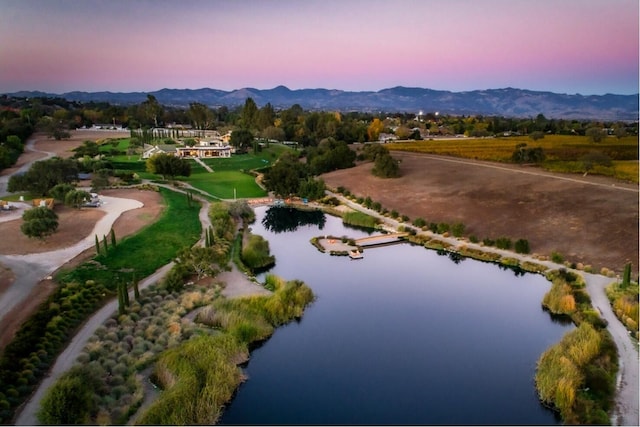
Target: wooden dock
<point>380,239</point>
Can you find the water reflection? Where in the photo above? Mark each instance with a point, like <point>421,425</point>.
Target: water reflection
<point>284,219</point>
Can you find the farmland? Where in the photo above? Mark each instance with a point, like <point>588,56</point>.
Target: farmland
<point>563,153</point>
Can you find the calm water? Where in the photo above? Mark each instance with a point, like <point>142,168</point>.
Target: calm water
<point>403,336</point>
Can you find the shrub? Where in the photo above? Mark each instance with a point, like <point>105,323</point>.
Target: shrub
<point>522,246</point>
<point>458,229</point>
<point>557,257</point>
<point>503,243</point>
<point>419,222</point>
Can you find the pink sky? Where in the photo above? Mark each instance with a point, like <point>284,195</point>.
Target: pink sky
<point>565,46</point>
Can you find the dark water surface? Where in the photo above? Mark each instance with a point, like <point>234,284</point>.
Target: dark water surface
<point>403,336</point>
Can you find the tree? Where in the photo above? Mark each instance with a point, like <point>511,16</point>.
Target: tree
<point>284,177</point>
<point>39,222</point>
<point>59,191</point>
<point>374,129</point>
<point>200,115</point>
<point>200,260</point>
<point>249,114</point>
<point>44,175</point>
<point>273,132</point>
<point>524,154</point>
<point>76,198</point>
<point>265,117</point>
<point>536,135</point>
<point>13,143</point>
<point>626,276</point>
<point>168,166</point>
<point>71,399</point>
<point>386,166</point>
<point>312,189</point>
<point>241,139</point>
<point>620,131</point>
<point>595,134</point>
<point>151,110</point>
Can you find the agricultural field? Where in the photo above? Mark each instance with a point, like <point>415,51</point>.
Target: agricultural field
<point>563,153</point>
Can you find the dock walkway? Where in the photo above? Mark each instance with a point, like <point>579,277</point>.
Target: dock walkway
<point>380,239</point>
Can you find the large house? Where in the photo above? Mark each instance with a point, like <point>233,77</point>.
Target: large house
<point>150,150</point>
<point>215,148</point>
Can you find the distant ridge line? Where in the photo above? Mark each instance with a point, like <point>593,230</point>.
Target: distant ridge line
<point>508,102</point>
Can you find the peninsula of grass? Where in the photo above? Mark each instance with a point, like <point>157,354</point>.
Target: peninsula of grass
<point>577,376</point>
<point>360,219</point>
<point>201,375</point>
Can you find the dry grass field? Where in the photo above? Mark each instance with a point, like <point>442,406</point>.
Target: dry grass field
<point>591,220</point>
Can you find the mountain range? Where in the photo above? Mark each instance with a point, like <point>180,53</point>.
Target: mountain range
<point>508,102</point>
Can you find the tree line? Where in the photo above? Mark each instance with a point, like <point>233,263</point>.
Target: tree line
<point>20,116</point>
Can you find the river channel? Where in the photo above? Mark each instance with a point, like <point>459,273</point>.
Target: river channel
<point>402,336</point>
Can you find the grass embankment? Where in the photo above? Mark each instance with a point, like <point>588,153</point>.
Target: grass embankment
<point>37,343</point>
<point>255,253</point>
<point>624,300</point>
<point>360,219</point>
<point>577,376</point>
<point>563,153</point>
<point>201,375</point>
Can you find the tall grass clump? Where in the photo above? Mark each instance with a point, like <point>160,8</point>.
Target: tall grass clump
<point>624,300</point>
<point>256,254</point>
<point>200,375</point>
<point>577,376</point>
<point>198,378</point>
<point>360,219</point>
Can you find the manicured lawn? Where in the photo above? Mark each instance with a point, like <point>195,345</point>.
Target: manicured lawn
<point>149,249</point>
<point>232,173</point>
<point>230,177</point>
<point>222,184</point>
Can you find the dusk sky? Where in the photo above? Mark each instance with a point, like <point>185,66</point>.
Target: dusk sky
<point>564,46</point>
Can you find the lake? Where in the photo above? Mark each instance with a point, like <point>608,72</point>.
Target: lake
<point>402,336</point>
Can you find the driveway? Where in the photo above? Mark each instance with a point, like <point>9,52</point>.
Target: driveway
<point>31,269</point>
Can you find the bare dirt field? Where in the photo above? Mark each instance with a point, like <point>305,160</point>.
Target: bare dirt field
<point>590,220</point>
<point>73,226</point>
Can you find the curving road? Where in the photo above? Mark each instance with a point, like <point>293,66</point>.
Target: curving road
<point>29,146</point>
<point>31,269</point>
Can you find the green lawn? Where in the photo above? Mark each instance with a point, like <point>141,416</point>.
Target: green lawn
<point>230,178</point>
<point>154,246</point>
<point>232,173</point>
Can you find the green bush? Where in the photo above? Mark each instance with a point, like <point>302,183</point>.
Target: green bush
<point>557,257</point>
<point>522,246</point>
<point>419,222</point>
<point>503,243</point>
<point>458,229</point>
